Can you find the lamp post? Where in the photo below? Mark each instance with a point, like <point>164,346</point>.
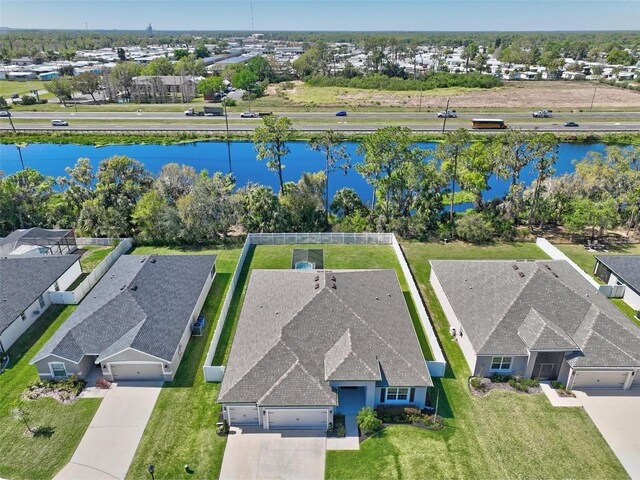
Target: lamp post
<point>151,469</point>
<point>446,114</point>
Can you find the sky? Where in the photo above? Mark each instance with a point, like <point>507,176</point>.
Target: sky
<point>318,15</point>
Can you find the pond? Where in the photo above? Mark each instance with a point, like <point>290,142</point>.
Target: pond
<point>52,159</point>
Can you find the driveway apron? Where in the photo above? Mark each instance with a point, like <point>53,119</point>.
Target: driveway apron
<point>110,442</point>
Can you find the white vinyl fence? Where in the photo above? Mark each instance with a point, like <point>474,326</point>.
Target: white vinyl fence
<point>556,254</point>
<point>215,373</point>
<point>105,242</point>
<point>74,297</point>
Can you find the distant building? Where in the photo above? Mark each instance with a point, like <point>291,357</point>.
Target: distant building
<point>163,89</point>
<point>48,76</point>
<point>21,76</point>
<point>22,61</point>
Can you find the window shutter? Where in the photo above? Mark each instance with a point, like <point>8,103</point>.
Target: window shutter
<point>412,394</point>
<point>382,393</point>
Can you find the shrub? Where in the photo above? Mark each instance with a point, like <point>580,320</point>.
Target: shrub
<point>475,228</point>
<point>223,428</point>
<point>498,378</point>
<point>476,382</point>
<point>337,428</point>
<point>229,102</point>
<point>368,421</point>
<point>28,100</point>
<point>103,383</point>
<point>391,414</point>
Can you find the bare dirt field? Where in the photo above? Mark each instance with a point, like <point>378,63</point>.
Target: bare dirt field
<point>560,95</point>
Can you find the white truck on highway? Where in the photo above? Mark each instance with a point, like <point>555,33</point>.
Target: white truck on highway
<point>543,114</point>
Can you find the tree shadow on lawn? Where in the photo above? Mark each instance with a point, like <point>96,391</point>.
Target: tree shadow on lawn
<point>198,347</point>
<point>437,392</point>
<point>45,431</point>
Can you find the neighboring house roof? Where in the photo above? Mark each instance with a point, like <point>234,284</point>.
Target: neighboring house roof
<point>24,279</point>
<point>300,329</point>
<point>143,302</point>
<point>31,236</point>
<point>625,267</point>
<point>169,80</point>
<point>513,307</point>
<point>310,255</point>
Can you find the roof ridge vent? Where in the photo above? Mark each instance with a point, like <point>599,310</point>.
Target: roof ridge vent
<point>334,286</point>
<point>134,287</point>
<point>521,274</point>
<point>317,286</point>
<point>514,266</point>
<point>153,260</point>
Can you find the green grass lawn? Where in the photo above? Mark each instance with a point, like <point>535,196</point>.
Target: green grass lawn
<point>335,256</point>
<point>9,87</point>
<point>93,256</point>
<point>40,457</point>
<point>181,429</point>
<point>503,435</point>
<point>586,260</point>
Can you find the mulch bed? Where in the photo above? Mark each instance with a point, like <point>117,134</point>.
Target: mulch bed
<point>488,386</point>
<point>62,396</point>
<point>565,393</point>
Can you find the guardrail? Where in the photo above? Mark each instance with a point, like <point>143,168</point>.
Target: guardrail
<point>74,297</point>
<point>215,373</point>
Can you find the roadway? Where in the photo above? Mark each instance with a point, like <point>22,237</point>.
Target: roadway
<point>342,126</point>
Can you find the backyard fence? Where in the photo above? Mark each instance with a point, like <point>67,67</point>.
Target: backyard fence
<point>215,373</point>
<point>105,242</point>
<point>74,297</point>
<point>556,254</point>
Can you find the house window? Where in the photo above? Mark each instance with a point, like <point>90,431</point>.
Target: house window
<point>41,301</point>
<point>58,369</point>
<point>501,363</point>
<point>400,394</point>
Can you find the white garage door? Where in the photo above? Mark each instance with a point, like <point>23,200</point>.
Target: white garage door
<point>289,419</point>
<point>243,415</point>
<point>136,371</point>
<point>585,379</point>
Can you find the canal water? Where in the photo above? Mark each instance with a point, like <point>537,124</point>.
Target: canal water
<point>52,159</point>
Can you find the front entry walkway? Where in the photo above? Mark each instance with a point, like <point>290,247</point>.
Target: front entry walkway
<point>110,442</point>
<point>616,413</point>
<point>253,453</point>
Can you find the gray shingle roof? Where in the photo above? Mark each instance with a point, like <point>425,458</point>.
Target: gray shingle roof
<point>298,329</point>
<point>508,308</point>
<point>142,302</point>
<point>24,279</point>
<point>625,267</point>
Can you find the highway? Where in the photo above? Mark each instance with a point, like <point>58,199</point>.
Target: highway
<point>316,121</point>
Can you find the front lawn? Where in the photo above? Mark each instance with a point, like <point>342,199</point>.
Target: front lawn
<point>40,457</point>
<point>502,435</point>
<point>335,256</point>
<point>181,429</point>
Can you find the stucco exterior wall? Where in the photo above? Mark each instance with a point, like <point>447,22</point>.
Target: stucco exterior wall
<point>81,369</point>
<point>68,277</point>
<point>565,371</point>
<point>518,365</point>
<point>464,342</point>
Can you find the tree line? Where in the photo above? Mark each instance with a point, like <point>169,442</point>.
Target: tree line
<point>415,192</point>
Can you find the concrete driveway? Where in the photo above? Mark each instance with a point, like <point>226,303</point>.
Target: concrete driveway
<point>110,442</point>
<point>254,453</point>
<point>617,415</point>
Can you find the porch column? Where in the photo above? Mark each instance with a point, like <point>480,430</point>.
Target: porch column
<point>530,364</point>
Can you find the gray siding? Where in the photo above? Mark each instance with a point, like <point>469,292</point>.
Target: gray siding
<point>483,366</point>
<point>81,369</point>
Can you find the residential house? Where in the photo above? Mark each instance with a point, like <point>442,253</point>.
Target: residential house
<point>163,89</point>
<point>540,319</point>
<point>136,322</point>
<point>25,284</point>
<point>311,343</point>
<point>21,76</point>
<point>624,271</point>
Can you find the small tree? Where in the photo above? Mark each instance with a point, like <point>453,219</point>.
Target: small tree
<point>210,86</point>
<point>270,140</point>
<point>336,157</point>
<point>87,83</point>
<point>61,88</point>
<point>368,421</point>
<point>66,71</point>
<point>22,414</point>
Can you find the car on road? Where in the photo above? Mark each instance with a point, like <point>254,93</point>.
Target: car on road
<point>5,113</point>
<point>543,114</point>
<point>448,114</point>
<point>249,115</point>
<point>571,124</point>
<point>341,113</point>
<point>59,123</point>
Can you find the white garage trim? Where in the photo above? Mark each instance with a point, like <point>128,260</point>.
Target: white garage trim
<point>136,371</point>
<point>290,418</point>
<point>242,415</point>
<point>614,379</point>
